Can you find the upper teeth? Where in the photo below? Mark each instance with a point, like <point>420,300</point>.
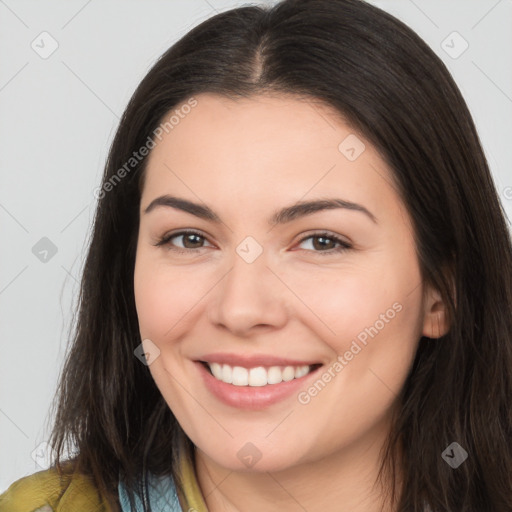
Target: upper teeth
<point>259,376</point>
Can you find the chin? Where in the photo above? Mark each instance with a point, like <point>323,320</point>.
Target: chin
<point>254,457</point>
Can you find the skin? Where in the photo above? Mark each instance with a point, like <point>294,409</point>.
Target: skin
<point>245,158</point>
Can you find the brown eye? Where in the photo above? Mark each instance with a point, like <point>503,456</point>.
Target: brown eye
<point>326,242</point>
<point>190,241</point>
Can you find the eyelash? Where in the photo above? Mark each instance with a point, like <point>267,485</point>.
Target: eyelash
<point>344,246</point>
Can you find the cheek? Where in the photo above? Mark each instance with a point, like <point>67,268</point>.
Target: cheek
<point>343,304</point>
<point>166,298</point>
<point>371,315</point>
<point>375,340</point>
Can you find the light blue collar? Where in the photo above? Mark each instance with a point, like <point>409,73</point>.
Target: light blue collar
<point>162,496</point>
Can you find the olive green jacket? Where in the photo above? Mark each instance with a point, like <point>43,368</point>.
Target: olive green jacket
<point>45,491</point>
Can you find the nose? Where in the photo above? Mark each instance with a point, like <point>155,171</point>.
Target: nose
<point>250,297</point>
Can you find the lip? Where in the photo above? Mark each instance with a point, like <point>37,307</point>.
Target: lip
<point>248,397</point>
<point>252,361</point>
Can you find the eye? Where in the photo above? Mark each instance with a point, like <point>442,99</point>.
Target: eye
<point>325,243</point>
<point>191,241</point>
<point>322,242</point>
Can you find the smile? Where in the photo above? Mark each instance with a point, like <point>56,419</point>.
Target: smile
<point>257,376</point>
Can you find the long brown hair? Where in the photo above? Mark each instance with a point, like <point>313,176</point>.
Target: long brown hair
<point>392,88</point>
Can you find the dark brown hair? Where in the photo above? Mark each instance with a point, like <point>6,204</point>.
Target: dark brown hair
<point>391,88</point>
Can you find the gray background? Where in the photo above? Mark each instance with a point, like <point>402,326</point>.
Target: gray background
<point>58,117</point>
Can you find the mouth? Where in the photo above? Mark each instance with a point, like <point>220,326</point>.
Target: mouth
<point>254,381</point>
<point>257,376</point>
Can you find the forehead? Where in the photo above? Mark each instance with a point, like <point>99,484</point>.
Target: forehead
<point>259,119</point>
<point>279,147</point>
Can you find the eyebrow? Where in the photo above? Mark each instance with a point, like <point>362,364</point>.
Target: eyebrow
<point>281,216</point>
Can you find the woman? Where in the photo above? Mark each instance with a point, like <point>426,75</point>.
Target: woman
<point>220,361</point>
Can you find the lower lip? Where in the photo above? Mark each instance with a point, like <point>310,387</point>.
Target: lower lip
<point>251,397</point>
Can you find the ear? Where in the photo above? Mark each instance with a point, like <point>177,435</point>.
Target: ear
<point>435,315</point>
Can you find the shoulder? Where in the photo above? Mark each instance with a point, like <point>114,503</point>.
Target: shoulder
<point>47,491</point>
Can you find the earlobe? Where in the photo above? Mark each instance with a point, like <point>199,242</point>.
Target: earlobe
<point>435,320</point>
<point>436,327</point>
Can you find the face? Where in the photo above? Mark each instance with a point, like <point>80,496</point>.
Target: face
<point>311,316</point>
